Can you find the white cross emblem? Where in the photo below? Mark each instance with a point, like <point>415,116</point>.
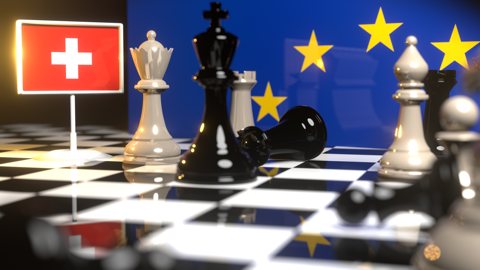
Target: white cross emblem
<point>71,58</point>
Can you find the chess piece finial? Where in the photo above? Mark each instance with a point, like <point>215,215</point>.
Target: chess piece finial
<point>152,143</point>
<point>411,68</point>
<point>215,14</point>
<point>409,157</point>
<point>151,61</point>
<point>458,113</point>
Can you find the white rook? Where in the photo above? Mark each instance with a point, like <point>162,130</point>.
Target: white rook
<point>409,157</point>
<point>241,115</point>
<point>71,58</point>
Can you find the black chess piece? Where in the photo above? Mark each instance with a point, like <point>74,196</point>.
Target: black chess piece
<point>438,85</point>
<point>300,135</point>
<point>432,195</point>
<point>215,155</point>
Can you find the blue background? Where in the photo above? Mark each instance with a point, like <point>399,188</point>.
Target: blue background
<point>353,96</point>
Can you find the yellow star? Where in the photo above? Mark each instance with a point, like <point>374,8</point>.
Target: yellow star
<point>455,49</point>
<point>268,103</point>
<point>380,31</point>
<point>270,173</point>
<point>312,240</point>
<point>313,53</point>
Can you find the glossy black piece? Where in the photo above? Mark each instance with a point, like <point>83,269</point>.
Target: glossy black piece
<point>300,135</point>
<point>432,195</point>
<point>215,155</point>
<point>438,85</point>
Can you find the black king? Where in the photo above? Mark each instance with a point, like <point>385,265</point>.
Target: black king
<point>215,156</point>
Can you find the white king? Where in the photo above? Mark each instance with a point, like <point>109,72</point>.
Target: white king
<point>151,61</point>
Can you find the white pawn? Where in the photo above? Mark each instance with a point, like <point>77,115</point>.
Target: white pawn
<point>409,157</point>
<point>152,142</point>
<point>241,115</point>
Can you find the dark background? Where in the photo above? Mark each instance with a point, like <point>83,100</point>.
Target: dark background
<point>91,109</point>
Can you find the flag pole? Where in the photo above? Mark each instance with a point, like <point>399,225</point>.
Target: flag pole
<point>73,133</point>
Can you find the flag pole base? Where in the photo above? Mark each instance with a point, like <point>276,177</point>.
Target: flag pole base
<point>78,158</point>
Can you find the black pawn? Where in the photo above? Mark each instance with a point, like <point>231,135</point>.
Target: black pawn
<point>215,156</point>
<point>438,85</point>
<point>300,135</point>
<point>432,195</point>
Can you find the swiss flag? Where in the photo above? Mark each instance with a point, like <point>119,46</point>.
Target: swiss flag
<point>55,57</point>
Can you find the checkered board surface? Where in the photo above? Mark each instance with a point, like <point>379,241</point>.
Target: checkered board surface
<point>285,219</point>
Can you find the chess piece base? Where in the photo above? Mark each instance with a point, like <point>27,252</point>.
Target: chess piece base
<point>152,152</point>
<point>420,164</point>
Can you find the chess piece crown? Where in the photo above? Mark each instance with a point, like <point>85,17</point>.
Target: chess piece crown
<point>151,61</point>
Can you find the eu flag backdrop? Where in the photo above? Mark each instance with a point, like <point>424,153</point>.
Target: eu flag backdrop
<point>351,86</point>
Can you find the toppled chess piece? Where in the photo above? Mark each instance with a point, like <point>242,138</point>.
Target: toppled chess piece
<point>409,157</point>
<point>300,135</point>
<point>241,114</point>
<point>215,156</point>
<point>152,142</point>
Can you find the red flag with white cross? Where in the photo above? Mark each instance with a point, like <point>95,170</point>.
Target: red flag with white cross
<point>60,57</point>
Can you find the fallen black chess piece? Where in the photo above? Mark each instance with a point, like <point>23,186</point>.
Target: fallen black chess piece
<point>432,195</point>
<point>300,135</point>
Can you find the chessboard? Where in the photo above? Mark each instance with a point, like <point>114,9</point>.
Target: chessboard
<point>285,219</point>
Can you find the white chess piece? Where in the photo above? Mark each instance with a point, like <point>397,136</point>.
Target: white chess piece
<point>409,157</point>
<point>241,115</point>
<point>152,142</point>
<point>455,240</point>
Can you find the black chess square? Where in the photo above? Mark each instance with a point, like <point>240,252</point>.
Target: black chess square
<point>315,164</point>
<point>17,171</point>
<point>46,206</point>
<point>314,185</point>
<point>254,216</point>
<point>354,151</point>
<point>22,185</point>
<point>198,194</point>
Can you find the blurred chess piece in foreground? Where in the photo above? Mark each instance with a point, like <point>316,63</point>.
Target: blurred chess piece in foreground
<point>454,241</point>
<point>152,142</point>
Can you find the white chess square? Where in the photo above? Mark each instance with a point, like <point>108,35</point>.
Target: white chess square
<point>147,211</point>
<point>32,163</point>
<point>88,143</point>
<point>281,199</point>
<point>306,264</point>
<point>167,168</point>
<point>348,158</point>
<point>234,243</point>
<point>101,190</point>
<point>7,197</point>
<point>406,228</point>
<point>282,164</point>
<point>113,150</point>
<point>22,154</point>
<point>72,175</point>
<point>66,138</point>
<point>321,174</point>
<point>12,147</point>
